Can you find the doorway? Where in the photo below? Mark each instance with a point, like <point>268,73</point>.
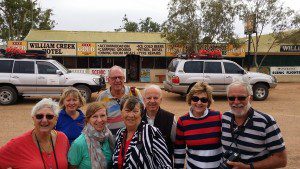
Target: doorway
<point>133,68</point>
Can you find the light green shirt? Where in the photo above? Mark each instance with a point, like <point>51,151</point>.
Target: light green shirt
<point>79,154</point>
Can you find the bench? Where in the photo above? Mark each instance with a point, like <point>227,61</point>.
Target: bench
<point>161,78</point>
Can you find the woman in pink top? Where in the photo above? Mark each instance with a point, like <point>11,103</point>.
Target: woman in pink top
<point>40,148</point>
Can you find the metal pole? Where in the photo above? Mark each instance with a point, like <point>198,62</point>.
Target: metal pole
<point>248,52</point>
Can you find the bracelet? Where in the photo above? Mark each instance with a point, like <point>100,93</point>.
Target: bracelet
<point>251,166</point>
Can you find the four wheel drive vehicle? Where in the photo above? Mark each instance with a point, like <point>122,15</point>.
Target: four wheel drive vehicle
<point>182,74</point>
<point>42,77</point>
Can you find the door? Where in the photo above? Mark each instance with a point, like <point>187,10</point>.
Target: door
<point>214,76</point>
<point>48,81</point>
<point>133,68</point>
<point>24,77</point>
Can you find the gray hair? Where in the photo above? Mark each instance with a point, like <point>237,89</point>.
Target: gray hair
<point>116,67</point>
<point>242,83</point>
<point>153,86</point>
<point>45,103</point>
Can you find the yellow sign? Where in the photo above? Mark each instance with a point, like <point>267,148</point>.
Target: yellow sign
<point>86,49</point>
<point>173,50</point>
<point>236,52</point>
<point>54,48</point>
<point>123,49</point>
<point>17,44</point>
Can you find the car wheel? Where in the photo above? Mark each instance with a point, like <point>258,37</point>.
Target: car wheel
<point>8,95</point>
<point>85,92</point>
<point>260,92</point>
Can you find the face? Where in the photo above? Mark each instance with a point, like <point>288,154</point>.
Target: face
<point>116,79</point>
<point>98,120</point>
<point>71,103</point>
<point>198,107</point>
<point>152,99</point>
<point>44,120</point>
<point>239,100</point>
<point>131,118</point>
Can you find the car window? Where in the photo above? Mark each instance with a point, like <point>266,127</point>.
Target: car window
<point>212,67</point>
<point>193,67</point>
<point>173,65</point>
<point>24,67</point>
<point>232,68</point>
<point>46,68</point>
<point>6,66</point>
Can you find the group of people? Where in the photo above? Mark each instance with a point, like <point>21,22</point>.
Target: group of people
<point>125,129</point>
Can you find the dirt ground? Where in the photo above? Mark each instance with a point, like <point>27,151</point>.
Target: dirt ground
<point>282,104</point>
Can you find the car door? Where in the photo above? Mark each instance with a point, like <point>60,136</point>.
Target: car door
<point>214,76</point>
<point>48,81</point>
<point>233,72</point>
<point>24,76</point>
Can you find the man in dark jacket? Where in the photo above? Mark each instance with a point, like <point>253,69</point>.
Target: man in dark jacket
<point>158,117</point>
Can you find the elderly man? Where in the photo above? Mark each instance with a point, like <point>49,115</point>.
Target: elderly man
<point>253,138</point>
<point>112,96</point>
<point>158,117</point>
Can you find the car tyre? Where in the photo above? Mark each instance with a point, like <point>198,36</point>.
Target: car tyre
<point>8,95</point>
<point>85,92</point>
<point>260,92</point>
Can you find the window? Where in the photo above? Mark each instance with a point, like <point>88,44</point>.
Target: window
<point>173,65</point>
<point>107,62</point>
<point>160,63</point>
<point>232,68</point>
<point>70,62</point>
<point>46,68</point>
<point>6,66</point>
<point>24,67</point>
<point>120,61</point>
<point>82,62</point>
<point>193,67</point>
<point>148,62</point>
<point>212,67</point>
<point>95,62</point>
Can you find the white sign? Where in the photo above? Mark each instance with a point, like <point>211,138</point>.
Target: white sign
<point>78,70</point>
<point>104,73</point>
<point>285,71</point>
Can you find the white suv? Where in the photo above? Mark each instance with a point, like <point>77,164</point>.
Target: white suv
<point>42,77</point>
<point>182,74</point>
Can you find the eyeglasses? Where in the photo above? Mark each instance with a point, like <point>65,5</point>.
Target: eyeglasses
<point>41,116</point>
<point>117,77</point>
<point>240,98</point>
<point>196,99</point>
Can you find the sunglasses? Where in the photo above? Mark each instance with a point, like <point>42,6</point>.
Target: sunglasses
<point>240,98</point>
<point>41,116</point>
<point>196,99</point>
<point>117,77</point>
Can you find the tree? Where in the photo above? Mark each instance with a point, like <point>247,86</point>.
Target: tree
<point>273,14</point>
<point>193,21</point>
<point>146,25</point>
<point>19,16</point>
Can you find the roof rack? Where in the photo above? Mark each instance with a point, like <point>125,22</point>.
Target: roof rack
<point>16,53</point>
<point>217,54</point>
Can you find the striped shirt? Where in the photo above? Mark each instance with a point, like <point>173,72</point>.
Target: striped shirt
<point>200,139</point>
<point>151,154</point>
<point>114,118</point>
<point>259,138</point>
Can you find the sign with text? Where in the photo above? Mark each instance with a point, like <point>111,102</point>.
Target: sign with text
<point>54,48</point>
<point>17,44</point>
<point>235,51</point>
<point>86,49</point>
<point>123,49</point>
<point>290,48</point>
<point>173,50</point>
<point>285,71</point>
<point>103,72</point>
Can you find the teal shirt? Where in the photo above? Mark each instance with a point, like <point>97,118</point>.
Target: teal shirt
<point>79,154</point>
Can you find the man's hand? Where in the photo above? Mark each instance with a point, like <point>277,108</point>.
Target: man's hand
<point>238,165</point>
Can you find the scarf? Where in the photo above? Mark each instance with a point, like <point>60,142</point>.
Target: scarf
<point>95,140</point>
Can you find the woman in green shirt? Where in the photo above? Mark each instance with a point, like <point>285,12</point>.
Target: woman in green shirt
<point>94,147</point>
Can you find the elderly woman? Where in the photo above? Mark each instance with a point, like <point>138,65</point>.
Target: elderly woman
<point>199,131</point>
<point>138,145</point>
<point>41,147</point>
<point>71,118</point>
<point>94,147</point>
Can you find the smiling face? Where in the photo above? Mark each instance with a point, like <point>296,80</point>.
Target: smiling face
<point>44,124</point>
<point>131,118</point>
<point>198,107</point>
<point>99,120</point>
<point>116,79</point>
<point>152,99</point>
<point>241,103</point>
<point>71,103</point>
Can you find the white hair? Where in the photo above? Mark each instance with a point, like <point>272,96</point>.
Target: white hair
<point>45,103</point>
<point>243,83</point>
<point>153,86</point>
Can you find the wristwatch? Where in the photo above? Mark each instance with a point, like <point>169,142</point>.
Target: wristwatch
<point>251,166</point>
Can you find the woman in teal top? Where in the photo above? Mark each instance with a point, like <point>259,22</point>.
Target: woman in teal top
<point>94,147</point>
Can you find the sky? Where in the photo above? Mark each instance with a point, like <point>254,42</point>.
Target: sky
<point>106,15</point>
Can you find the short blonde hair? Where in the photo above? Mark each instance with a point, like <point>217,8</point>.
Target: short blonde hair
<point>45,103</point>
<point>71,91</point>
<point>200,87</point>
<point>92,109</point>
